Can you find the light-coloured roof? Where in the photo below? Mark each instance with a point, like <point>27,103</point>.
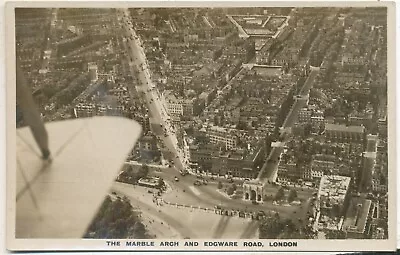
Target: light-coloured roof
<point>344,128</point>
<point>334,187</point>
<point>356,215</point>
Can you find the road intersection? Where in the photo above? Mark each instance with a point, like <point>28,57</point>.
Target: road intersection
<point>185,191</point>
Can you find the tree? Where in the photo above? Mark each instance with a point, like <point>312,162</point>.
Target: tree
<point>220,186</point>
<point>270,228</point>
<point>139,230</point>
<point>292,195</point>
<point>307,130</point>
<point>308,232</point>
<point>143,171</point>
<point>230,190</point>
<point>234,186</point>
<point>289,230</point>
<point>279,194</point>
<point>115,219</point>
<point>275,227</point>
<point>335,234</point>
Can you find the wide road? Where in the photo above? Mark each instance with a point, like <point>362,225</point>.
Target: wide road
<point>270,168</point>
<point>147,207</point>
<point>139,68</point>
<point>185,192</point>
<point>184,189</point>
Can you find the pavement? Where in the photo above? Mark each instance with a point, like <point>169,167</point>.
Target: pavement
<point>270,169</point>
<point>197,223</point>
<point>183,191</point>
<point>139,68</point>
<point>135,163</point>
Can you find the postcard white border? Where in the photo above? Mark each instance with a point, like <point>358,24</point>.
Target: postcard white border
<point>89,244</point>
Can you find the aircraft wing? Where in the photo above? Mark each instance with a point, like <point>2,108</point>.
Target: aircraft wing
<point>60,199</point>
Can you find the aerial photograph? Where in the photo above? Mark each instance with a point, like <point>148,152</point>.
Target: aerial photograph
<point>256,123</point>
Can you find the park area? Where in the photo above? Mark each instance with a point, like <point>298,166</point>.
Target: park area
<point>166,220</point>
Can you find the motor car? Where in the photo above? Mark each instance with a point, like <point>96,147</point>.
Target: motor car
<point>197,183</point>
<point>149,191</point>
<point>114,193</point>
<point>176,179</point>
<point>169,166</point>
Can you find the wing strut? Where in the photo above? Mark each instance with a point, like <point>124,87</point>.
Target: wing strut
<point>31,113</point>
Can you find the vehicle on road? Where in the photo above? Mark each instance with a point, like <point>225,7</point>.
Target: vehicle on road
<point>197,183</point>
<point>176,179</point>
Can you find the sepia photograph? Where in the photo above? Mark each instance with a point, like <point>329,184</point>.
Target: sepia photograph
<point>200,127</point>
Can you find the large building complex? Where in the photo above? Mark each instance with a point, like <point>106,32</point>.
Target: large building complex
<point>333,196</point>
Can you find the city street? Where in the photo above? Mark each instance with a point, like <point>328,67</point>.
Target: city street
<point>256,123</point>
<point>197,224</point>
<point>184,191</point>
<point>270,168</point>
<point>139,68</point>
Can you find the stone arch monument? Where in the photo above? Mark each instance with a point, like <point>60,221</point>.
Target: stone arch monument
<point>253,191</point>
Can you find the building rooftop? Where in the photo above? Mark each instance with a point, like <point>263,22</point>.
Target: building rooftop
<point>344,128</point>
<point>334,187</point>
<point>356,215</point>
<point>372,143</point>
